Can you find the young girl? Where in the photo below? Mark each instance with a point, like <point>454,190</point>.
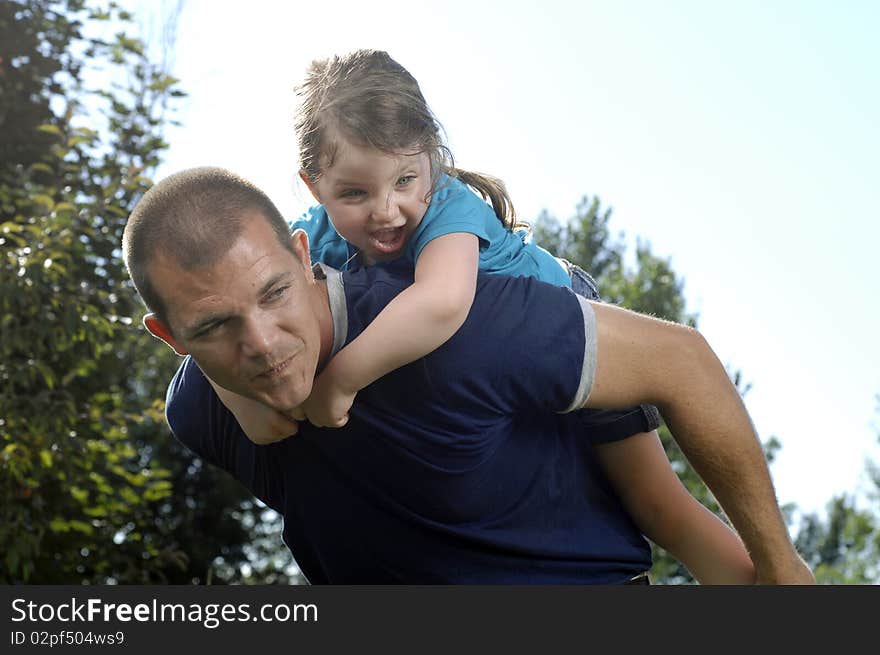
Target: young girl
<point>372,156</point>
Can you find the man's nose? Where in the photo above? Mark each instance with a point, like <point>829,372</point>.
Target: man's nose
<point>256,338</point>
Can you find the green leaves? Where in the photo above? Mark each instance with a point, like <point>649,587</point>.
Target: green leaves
<point>49,128</point>
<point>843,547</point>
<point>66,395</point>
<point>92,486</point>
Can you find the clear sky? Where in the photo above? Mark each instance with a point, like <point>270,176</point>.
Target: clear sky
<point>740,139</point>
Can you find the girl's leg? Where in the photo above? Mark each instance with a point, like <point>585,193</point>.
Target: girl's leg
<point>582,283</point>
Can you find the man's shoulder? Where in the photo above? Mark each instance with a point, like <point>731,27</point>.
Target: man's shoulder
<point>521,349</point>
<point>187,386</point>
<point>500,293</point>
<point>187,396</point>
<point>504,308</point>
<point>383,281</point>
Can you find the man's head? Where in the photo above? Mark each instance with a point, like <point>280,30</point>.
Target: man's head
<point>227,283</point>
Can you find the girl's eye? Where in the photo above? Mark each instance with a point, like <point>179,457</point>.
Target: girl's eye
<point>351,193</point>
<point>405,180</point>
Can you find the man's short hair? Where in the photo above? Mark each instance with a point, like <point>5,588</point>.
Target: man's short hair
<point>194,217</point>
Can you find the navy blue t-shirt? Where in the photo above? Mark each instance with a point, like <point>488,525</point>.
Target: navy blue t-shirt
<point>456,468</point>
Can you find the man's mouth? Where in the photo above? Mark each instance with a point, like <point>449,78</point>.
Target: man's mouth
<point>387,241</point>
<point>276,371</point>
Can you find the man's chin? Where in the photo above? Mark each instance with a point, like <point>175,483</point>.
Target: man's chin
<point>284,403</point>
<point>282,395</point>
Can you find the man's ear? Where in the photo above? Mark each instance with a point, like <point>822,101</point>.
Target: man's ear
<point>305,178</point>
<point>161,331</point>
<point>299,240</point>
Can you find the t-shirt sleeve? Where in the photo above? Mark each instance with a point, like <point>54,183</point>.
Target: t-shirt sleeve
<point>606,425</point>
<point>545,359</point>
<point>521,349</point>
<point>200,421</point>
<point>610,425</point>
<point>454,208</point>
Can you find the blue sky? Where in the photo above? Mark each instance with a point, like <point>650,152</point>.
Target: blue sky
<point>739,139</point>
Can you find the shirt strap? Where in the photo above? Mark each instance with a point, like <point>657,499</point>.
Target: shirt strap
<point>338,307</point>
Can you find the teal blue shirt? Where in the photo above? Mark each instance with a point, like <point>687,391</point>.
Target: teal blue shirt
<point>454,207</point>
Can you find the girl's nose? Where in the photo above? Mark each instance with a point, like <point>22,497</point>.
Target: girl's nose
<point>385,210</point>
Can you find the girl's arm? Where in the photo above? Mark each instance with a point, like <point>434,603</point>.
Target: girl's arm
<point>668,515</point>
<point>260,423</point>
<point>420,319</point>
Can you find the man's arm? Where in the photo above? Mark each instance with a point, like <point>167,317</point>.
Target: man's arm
<point>641,359</point>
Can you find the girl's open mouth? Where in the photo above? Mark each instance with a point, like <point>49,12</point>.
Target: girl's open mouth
<point>388,241</point>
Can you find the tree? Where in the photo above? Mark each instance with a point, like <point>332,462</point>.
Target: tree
<point>87,465</point>
<point>651,287</point>
<point>844,546</point>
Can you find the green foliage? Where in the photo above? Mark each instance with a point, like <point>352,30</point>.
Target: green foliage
<point>87,467</point>
<point>651,287</point>
<point>71,477</point>
<point>843,547</point>
<point>92,487</point>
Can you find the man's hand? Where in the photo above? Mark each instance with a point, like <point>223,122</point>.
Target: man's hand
<point>328,404</point>
<point>642,359</point>
<point>792,572</point>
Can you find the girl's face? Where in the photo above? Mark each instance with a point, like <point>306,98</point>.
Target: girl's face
<point>375,200</point>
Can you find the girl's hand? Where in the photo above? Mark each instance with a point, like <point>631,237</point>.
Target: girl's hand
<point>260,424</point>
<point>280,426</point>
<point>328,404</point>
<point>263,425</point>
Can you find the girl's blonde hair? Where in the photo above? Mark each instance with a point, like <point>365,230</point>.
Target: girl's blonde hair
<point>374,101</point>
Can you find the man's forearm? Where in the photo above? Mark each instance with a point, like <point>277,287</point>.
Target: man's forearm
<point>642,359</point>
<point>731,462</point>
<point>713,429</point>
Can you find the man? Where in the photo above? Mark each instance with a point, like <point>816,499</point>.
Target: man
<point>464,466</point>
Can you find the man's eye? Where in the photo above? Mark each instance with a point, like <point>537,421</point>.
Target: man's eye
<point>280,292</point>
<point>208,330</point>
